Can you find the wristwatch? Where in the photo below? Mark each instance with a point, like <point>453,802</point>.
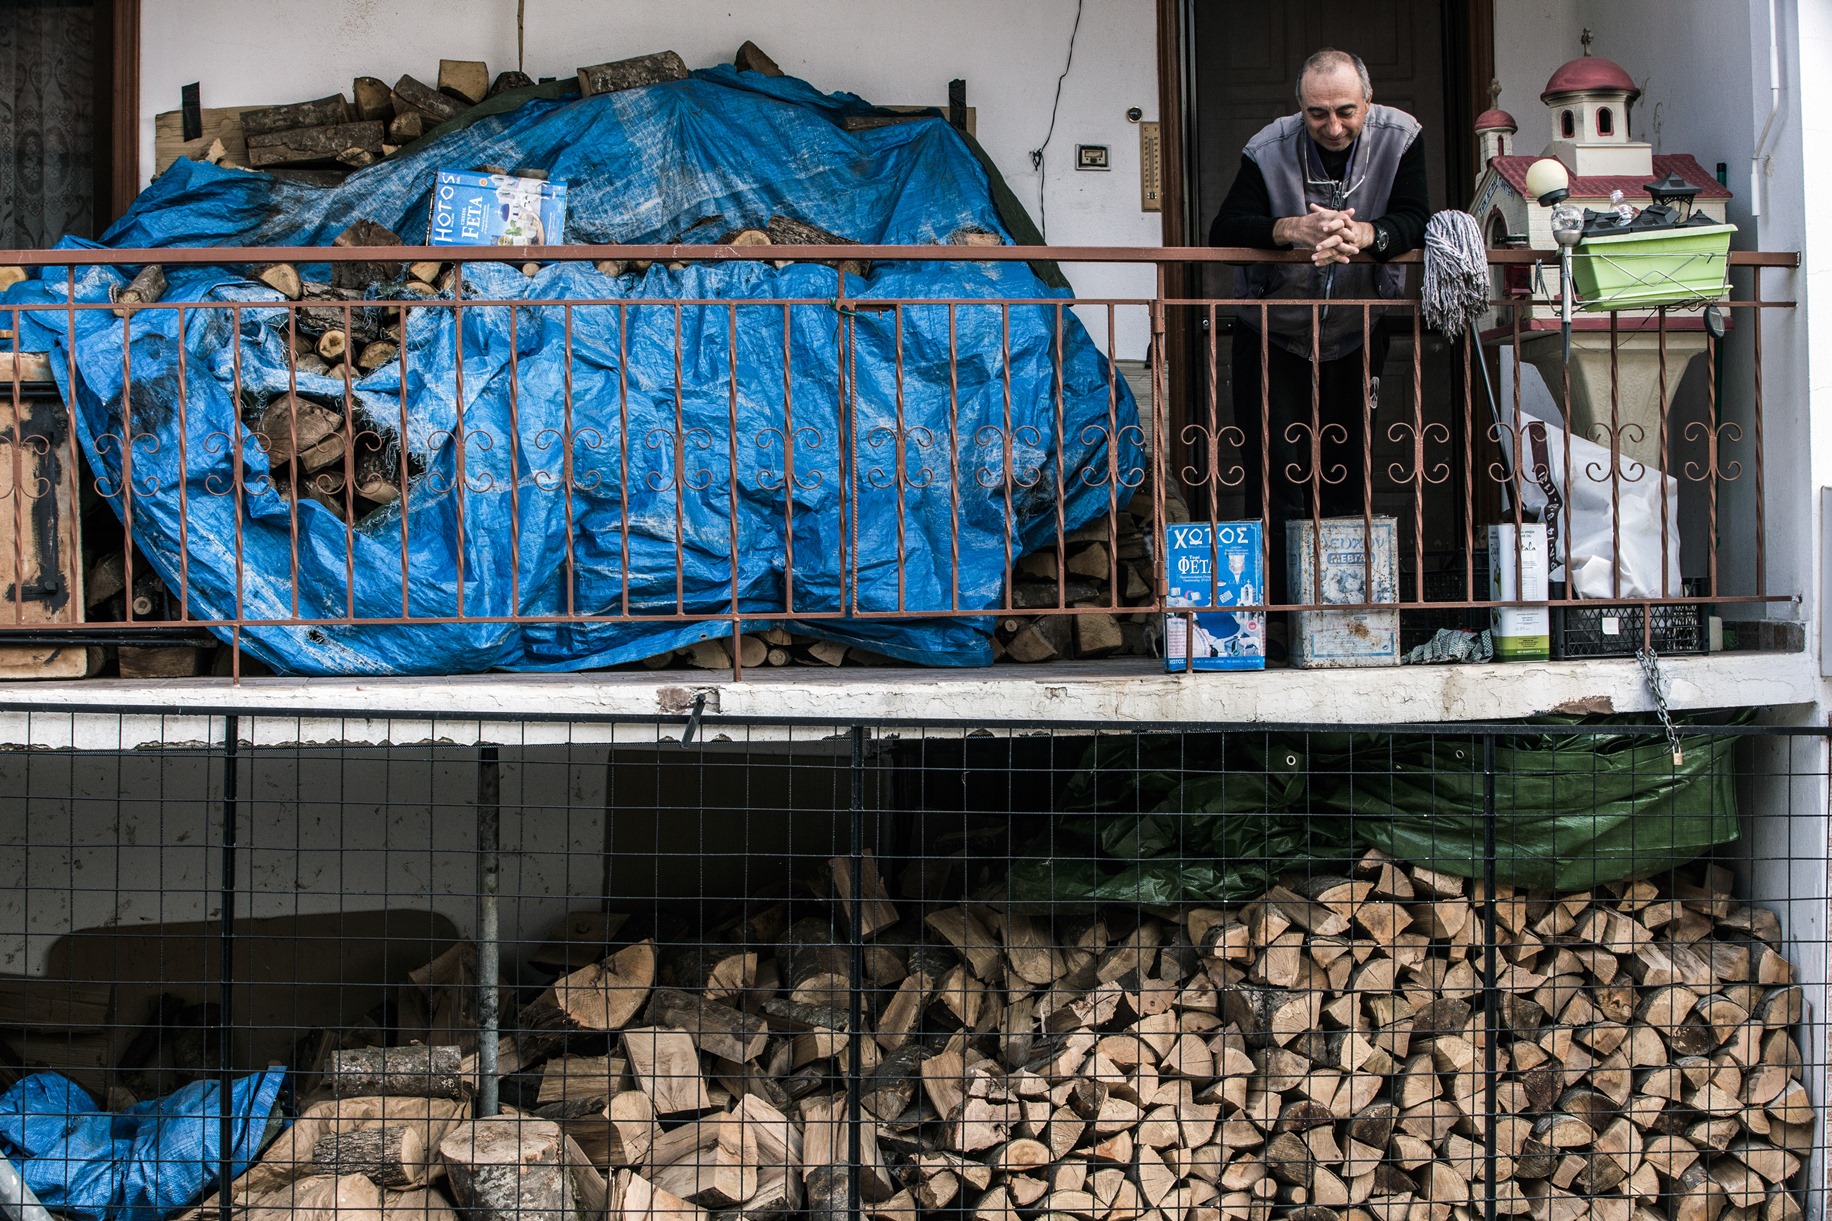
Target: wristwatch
<point>1381,240</point>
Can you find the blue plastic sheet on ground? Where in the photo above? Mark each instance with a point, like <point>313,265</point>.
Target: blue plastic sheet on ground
<point>139,1164</point>
<point>683,491</point>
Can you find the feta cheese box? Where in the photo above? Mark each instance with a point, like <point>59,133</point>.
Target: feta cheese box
<point>1214,639</point>
<point>1520,633</point>
<point>1345,571</point>
<point>471,209</point>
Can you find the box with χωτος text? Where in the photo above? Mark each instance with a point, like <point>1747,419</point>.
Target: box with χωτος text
<point>471,209</point>
<point>1214,568</point>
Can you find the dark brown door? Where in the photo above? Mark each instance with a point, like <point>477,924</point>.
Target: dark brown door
<point>68,130</point>
<point>1243,58</point>
<point>1245,62</point>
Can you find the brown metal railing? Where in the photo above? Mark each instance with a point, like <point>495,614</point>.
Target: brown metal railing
<point>1444,462</point>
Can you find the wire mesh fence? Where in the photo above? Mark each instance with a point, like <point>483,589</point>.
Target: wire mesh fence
<point>704,967</point>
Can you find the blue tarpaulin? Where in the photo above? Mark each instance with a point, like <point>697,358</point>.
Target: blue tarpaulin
<point>941,436</point>
<point>138,1164</point>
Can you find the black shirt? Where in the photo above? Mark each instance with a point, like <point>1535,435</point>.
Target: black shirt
<point>1246,216</point>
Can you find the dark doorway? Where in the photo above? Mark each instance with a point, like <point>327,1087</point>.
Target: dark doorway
<point>67,81</point>
<point>1240,62</point>
<point>1247,55</point>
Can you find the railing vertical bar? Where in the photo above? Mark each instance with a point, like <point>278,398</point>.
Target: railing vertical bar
<point>18,487</point>
<point>1008,446</point>
<point>458,429</point>
<point>569,476</point>
<point>1471,352</point>
<point>400,458</point>
<point>1366,428</point>
<point>680,473</point>
<point>899,455</point>
<point>515,462</point>
<point>731,482</point>
<point>1062,541</point>
<point>1660,465</point>
<point>954,462</point>
<point>623,440</point>
<point>184,464</point>
<point>1756,421</point>
<point>1418,450</point>
<point>788,465</point>
<point>348,372</point>
<point>1113,466</point>
<point>1265,464</point>
<point>1615,455</point>
<point>1714,439</point>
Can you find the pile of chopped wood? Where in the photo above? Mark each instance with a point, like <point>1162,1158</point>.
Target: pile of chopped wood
<point>322,140</point>
<point>1322,1052</point>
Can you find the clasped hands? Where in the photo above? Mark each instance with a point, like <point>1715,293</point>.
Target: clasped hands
<point>1331,236</point>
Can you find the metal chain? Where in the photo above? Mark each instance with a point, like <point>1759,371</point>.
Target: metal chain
<point>1650,666</point>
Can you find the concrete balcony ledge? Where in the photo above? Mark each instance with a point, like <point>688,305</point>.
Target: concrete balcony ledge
<point>108,714</point>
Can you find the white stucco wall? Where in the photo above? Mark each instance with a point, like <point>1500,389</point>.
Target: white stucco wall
<point>1009,53</point>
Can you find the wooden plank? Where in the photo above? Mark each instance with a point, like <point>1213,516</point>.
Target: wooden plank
<point>41,573</point>
<point>219,123</point>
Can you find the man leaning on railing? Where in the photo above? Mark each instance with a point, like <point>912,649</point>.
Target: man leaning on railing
<point>1340,177</point>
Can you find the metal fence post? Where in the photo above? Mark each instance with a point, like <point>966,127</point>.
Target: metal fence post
<point>855,991</point>
<point>225,1073</point>
<point>489,964</point>
<point>1491,1000</point>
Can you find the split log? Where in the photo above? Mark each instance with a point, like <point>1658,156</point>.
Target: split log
<point>632,73</point>
<point>876,911</point>
<point>360,275</point>
<point>717,972</point>
<point>147,287</point>
<point>507,1169</point>
<point>420,1072</point>
<point>814,969</point>
<point>598,999</point>
<point>290,427</point>
<point>306,146</point>
<point>467,80</point>
<point>389,1156</point>
<point>752,59</point>
<point>372,101</point>
<point>716,1029</point>
<point>283,278</point>
<point>667,1068</point>
<point>267,120</point>
<point>411,94</point>
<point>637,1199</point>
<point>406,128</point>
<point>788,231</point>
<point>511,79</point>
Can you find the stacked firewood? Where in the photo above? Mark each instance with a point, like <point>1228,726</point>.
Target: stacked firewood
<point>322,140</point>
<point>1096,572</point>
<point>1322,1052</point>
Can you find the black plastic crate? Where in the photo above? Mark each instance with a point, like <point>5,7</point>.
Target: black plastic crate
<point>1444,583</point>
<point>1583,631</point>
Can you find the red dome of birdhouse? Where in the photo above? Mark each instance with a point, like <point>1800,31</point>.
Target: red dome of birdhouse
<point>1496,120</point>
<point>1589,74</point>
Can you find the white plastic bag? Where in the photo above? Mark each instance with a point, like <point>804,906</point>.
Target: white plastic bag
<point>1588,520</point>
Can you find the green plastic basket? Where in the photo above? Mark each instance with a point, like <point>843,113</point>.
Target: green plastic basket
<point>1653,268</point>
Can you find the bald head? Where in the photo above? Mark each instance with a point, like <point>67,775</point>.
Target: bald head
<point>1333,97</point>
<point>1331,62</point>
